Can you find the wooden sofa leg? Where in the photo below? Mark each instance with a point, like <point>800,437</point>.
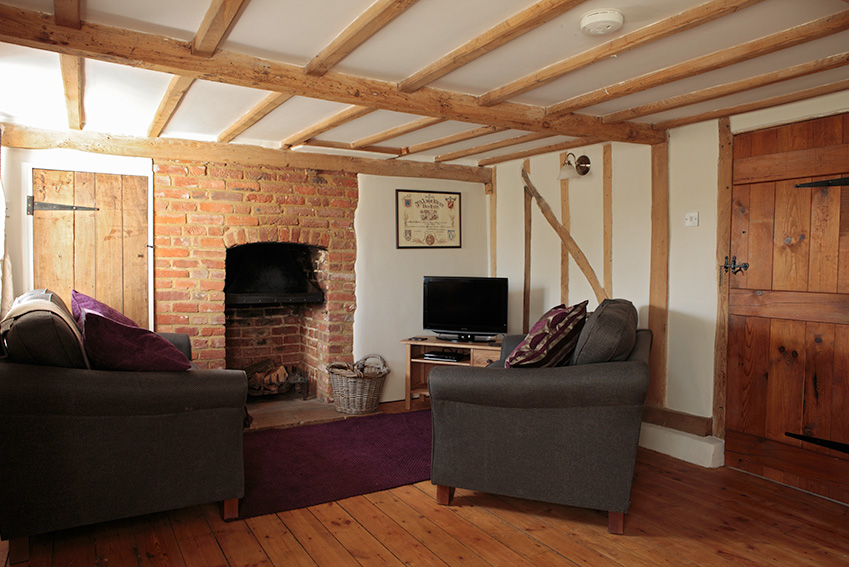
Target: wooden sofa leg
<point>231,509</point>
<point>444,495</point>
<point>616,522</point>
<point>18,550</point>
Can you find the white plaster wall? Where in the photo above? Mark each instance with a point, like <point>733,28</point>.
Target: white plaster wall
<point>389,280</point>
<point>693,159</point>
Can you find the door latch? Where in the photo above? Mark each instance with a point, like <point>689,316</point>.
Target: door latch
<point>734,266</point>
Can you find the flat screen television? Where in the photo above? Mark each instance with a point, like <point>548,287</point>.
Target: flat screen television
<point>465,307</point>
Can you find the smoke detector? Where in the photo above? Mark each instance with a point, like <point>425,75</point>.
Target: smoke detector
<point>601,22</point>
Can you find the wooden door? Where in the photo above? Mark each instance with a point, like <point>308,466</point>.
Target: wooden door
<point>788,326</point>
<point>103,252</point>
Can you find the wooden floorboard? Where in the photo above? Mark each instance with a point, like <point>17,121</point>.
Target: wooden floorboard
<point>681,515</point>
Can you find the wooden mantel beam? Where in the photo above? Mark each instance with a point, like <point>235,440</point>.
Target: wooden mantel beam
<point>158,53</point>
<point>15,136</point>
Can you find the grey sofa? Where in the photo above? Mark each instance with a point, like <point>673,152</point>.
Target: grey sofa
<point>565,435</point>
<point>81,446</point>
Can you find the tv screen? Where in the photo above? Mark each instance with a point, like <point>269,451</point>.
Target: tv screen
<point>465,306</point>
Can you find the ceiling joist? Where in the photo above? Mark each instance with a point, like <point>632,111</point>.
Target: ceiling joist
<point>366,25</point>
<point>15,136</point>
<point>493,38</point>
<point>67,13</point>
<point>338,119</point>
<point>492,146</point>
<point>72,79</point>
<point>413,126</point>
<point>453,139</point>
<point>579,143</point>
<point>253,116</point>
<point>816,29</point>
<point>218,19</point>
<point>170,101</point>
<point>718,91</point>
<point>158,53</point>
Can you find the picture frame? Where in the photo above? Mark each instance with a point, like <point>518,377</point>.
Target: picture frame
<point>427,219</point>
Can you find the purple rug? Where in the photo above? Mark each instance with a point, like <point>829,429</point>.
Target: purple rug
<point>286,469</point>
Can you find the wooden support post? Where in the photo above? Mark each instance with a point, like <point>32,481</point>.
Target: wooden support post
<point>566,239</point>
<point>566,221</point>
<point>607,212</point>
<point>659,283</point>
<point>526,290</point>
<point>230,509</point>
<point>492,190</point>
<point>725,197</point>
<point>616,522</point>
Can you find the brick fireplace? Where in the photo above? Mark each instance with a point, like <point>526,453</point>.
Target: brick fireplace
<point>201,209</point>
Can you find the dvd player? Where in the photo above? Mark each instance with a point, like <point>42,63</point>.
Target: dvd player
<point>446,356</point>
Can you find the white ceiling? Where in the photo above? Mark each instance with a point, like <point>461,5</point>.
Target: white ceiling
<point>120,99</point>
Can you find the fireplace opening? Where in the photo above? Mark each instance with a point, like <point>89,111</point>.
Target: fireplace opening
<point>270,273</point>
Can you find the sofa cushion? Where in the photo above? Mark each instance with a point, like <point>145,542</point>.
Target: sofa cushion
<point>609,333</point>
<point>115,345</point>
<point>551,339</point>
<point>39,329</point>
<point>80,301</point>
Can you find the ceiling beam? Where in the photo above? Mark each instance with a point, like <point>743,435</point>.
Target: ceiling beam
<point>348,115</point>
<point>218,19</point>
<point>453,139</point>
<point>170,101</point>
<point>413,126</point>
<point>532,137</point>
<point>495,37</point>
<point>67,13</point>
<point>15,136</point>
<point>158,53</point>
<point>396,152</point>
<point>541,150</point>
<point>366,25</point>
<point>804,33</point>
<point>72,79</point>
<point>683,21</point>
<point>254,115</point>
<point>824,64</point>
<point>805,94</point>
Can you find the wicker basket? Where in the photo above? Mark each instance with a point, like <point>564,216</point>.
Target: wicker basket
<point>356,387</point>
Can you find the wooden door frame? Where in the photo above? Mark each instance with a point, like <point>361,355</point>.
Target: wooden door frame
<point>63,160</point>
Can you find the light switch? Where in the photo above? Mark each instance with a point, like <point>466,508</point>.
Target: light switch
<point>691,219</point>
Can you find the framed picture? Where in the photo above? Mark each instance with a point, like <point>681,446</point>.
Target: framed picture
<point>427,219</point>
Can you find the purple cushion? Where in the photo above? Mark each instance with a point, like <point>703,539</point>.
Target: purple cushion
<point>552,338</point>
<point>80,301</point>
<point>115,345</point>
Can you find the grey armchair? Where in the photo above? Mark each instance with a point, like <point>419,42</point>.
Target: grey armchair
<point>81,446</point>
<point>565,435</point>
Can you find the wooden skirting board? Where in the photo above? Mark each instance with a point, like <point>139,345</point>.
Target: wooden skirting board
<point>679,421</point>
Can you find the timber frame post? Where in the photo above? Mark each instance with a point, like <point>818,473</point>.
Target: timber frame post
<point>659,284</point>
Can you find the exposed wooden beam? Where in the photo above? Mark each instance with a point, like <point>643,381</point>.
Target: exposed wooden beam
<point>824,64</point>
<point>686,20</point>
<point>541,150</point>
<point>349,114</point>
<point>505,31</point>
<point>607,216</point>
<point>367,24</point>
<point>15,136</point>
<point>170,101</point>
<point>72,78</point>
<point>658,320</point>
<point>453,139</point>
<point>67,13</point>
<point>724,203</point>
<point>158,53</point>
<point>743,52</point>
<point>218,19</point>
<point>413,126</point>
<point>532,137</point>
<point>805,94</point>
<point>343,146</point>
<point>527,221</point>
<point>253,116</point>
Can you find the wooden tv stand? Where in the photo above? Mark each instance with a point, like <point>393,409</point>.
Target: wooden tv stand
<point>418,368</point>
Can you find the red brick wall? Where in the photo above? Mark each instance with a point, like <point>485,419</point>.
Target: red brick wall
<point>201,209</point>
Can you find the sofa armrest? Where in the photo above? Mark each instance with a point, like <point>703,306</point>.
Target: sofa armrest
<point>181,341</point>
<point>604,384</point>
<point>45,390</point>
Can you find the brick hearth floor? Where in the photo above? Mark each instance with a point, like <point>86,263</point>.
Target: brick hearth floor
<point>290,411</point>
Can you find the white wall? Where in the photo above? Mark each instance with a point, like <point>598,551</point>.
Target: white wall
<point>389,280</point>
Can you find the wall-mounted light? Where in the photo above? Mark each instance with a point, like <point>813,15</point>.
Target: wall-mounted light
<point>574,167</point>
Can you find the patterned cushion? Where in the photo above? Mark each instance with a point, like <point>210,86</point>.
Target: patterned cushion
<point>552,338</point>
<point>609,334</point>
